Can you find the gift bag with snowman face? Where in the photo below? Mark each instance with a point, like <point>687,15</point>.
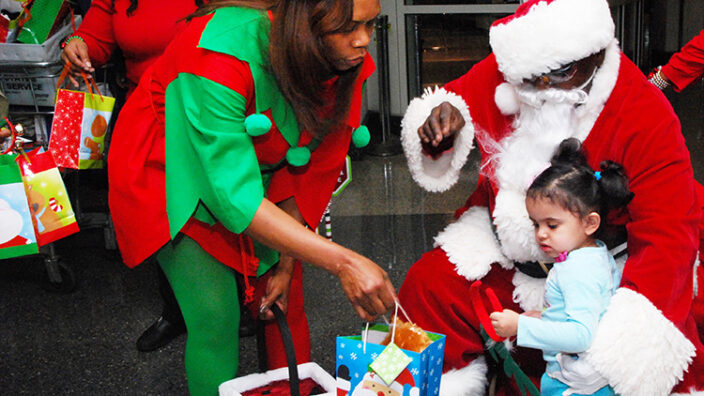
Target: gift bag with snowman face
<point>366,367</point>
<point>79,127</point>
<point>17,236</point>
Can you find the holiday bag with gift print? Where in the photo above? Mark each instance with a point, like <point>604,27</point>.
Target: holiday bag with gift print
<point>378,362</point>
<point>17,236</point>
<point>79,127</point>
<point>49,203</point>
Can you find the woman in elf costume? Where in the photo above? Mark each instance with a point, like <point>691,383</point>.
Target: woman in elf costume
<point>231,144</point>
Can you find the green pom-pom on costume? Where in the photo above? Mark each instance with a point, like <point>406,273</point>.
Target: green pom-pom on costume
<point>257,124</point>
<point>298,156</point>
<point>361,137</point>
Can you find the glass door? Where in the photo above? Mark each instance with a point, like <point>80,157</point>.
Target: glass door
<point>441,39</point>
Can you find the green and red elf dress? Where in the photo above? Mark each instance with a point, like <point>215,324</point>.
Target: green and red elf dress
<point>191,151</point>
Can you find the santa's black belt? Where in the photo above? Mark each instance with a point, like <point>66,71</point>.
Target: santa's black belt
<point>533,268</point>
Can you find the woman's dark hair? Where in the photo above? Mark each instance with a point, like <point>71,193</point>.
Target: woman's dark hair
<point>133,6</point>
<point>297,55</point>
<point>571,183</point>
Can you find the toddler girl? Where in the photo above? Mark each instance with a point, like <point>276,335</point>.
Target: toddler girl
<point>566,203</point>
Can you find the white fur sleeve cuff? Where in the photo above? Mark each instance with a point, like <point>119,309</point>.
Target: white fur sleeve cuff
<point>637,349</point>
<point>471,245</point>
<point>467,381</point>
<point>435,175</point>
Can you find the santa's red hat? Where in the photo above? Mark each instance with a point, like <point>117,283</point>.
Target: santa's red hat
<point>544,35</point>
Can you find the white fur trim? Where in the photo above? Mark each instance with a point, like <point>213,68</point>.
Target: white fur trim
<point>471,245</point>
<point>311,370</point>
<point>441,174</point>
<point>514,227</point>
<point>467,381</point>
<point>549,36</point>
<point>528,292</point>
<point>506,99</point>
<point>637,349</point>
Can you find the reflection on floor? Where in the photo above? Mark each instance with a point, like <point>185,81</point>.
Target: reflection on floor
<point>84,342</point>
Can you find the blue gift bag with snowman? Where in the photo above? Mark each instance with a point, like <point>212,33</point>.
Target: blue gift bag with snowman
<point>365,367</point>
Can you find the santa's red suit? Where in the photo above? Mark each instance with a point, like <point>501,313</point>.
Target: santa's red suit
<point>647,342</point>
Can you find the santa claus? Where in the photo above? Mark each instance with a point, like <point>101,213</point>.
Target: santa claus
<point>556,71</point>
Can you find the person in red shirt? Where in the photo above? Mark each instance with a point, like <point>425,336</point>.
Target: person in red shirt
<point>683,68</point>
<point>121,24</point>
<point>111,25</point>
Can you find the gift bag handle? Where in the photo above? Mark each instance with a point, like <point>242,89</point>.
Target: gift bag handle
<point>289,349</point>
<point>13,137</point>
<point>392,325</point>
<point>90,83</point>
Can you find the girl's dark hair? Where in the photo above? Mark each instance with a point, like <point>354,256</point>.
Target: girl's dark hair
<point>571,183</point>
<point>133,6</point>
<point>297,56</point>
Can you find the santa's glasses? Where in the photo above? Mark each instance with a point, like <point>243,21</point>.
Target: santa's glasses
<point>557,76</point>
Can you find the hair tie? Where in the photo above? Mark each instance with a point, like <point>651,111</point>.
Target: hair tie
<point>597,175</point>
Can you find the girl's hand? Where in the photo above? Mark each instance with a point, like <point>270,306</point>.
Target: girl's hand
<point>505,323</point>
<point>277,288</point>
<point>75,53</point>
<point>367,286</point>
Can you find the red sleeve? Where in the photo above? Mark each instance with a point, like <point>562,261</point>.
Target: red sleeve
<point>639,130</point>
<point>482,196</point>
<point>686,65</point>
<point>97,31</point>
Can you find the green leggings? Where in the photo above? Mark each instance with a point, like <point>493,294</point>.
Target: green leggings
<point>206,291</point>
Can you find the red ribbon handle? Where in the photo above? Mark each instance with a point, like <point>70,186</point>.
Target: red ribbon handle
<point>13,137</point>
<point>480,309</point>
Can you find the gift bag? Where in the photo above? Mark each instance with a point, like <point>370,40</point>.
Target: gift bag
<point>366,367</point>
<point>42,18</point>
<point>80,123</point>
<point>17,236</point>
<point>52,215</point>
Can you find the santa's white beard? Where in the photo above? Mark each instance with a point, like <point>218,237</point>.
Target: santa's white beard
<point>545,119</point>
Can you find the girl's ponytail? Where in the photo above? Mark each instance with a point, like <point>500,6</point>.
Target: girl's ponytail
<point>613,184</point>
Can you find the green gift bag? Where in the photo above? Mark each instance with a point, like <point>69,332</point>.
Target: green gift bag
<point>17,236</point>
<point>44,18</point>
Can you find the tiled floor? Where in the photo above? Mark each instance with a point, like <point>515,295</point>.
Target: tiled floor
<point>82,343</point>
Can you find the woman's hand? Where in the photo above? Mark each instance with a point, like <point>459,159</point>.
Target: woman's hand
<point>367,286</point>
<point>444,121</point>
<point>505,323</point>
<point>75,53</point>
<point>277,288</point>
